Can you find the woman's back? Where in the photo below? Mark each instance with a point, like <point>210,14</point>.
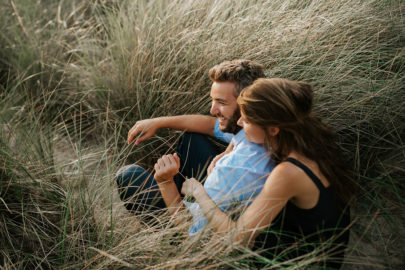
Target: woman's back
<point>297,231</point>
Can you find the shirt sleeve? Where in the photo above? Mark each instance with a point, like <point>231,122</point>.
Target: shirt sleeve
<point>199,220</point>
<point>223,136</point>
<point>238,138</point>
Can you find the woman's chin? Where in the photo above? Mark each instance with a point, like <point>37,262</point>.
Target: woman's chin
<point>254,140</point>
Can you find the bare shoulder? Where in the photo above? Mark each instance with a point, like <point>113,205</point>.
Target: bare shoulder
<point>285,171</point>
<point>285,176</point>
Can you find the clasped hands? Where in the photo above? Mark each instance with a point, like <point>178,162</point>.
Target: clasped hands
<point>167,167</point>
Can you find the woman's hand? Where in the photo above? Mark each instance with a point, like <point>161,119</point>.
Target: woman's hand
<point>166,168</point>
<point>213,162</point>
<point>191,187</point>
<point>218,157</point>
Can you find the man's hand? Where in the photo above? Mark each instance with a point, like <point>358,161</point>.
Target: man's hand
<point>214,161</point>
<point>143,130</point>
<point>191,187</point>
<point>166,168</point>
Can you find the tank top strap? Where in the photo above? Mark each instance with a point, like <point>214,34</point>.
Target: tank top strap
<point>311,175</point>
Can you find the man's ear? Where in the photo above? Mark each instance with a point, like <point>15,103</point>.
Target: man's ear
<point>273,131</point>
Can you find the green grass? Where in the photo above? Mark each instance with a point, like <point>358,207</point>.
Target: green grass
<point>76,75</point>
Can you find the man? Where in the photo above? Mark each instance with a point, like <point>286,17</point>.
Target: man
<point>242,165</point>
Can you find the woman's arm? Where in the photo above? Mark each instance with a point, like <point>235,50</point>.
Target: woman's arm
<point>216,217</point>
<point>278,189</point>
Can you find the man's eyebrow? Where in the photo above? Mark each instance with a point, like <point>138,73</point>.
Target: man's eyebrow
<point>219,99</point>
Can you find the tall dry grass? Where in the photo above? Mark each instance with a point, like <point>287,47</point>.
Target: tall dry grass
<point>76,75</point>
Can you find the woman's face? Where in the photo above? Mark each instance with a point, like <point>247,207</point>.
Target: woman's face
<point>254,133</point>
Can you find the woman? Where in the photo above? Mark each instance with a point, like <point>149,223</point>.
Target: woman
<point>303,204</point>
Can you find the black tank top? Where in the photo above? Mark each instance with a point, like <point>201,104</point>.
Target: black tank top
<point>297,231</point>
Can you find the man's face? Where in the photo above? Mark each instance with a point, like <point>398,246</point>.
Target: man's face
<point>224,106</point>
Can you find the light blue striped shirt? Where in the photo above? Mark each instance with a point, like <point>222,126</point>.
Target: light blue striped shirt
<point>237,177</point>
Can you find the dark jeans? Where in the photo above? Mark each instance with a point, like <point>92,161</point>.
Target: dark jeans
<point>138,188</point>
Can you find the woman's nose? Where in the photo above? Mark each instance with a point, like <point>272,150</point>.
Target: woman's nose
<point>240,122</point>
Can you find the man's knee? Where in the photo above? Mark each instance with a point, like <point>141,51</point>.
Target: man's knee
<point>138,189</point>
<point>129,175</point>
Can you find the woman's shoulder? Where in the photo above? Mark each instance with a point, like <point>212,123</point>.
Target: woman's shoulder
<point>285,171</point>
<point>284,177</point>
<point>289,175</point>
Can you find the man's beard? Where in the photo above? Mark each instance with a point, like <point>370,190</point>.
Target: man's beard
<point>232,126</point>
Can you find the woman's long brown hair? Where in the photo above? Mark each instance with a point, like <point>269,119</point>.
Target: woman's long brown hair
<point>287,105</point>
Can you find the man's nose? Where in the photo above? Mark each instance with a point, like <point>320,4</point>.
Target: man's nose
<point>214,109</point>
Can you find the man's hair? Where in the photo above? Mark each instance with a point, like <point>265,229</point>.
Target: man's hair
<point>241,72</point>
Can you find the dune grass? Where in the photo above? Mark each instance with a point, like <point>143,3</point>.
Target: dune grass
<point>76,75</point>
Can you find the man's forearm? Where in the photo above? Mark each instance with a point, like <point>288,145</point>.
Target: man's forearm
<point>144,129</point>
<point>171,196</point>
<point>192,123</point>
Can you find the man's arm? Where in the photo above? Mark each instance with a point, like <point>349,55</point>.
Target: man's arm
<point>144,129</point>
<point>165,169</point>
